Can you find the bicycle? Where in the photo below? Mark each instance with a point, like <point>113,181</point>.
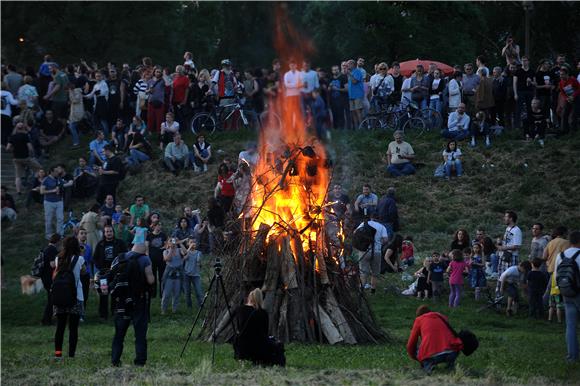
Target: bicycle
<point>416,120</point>
<point>219,117</point>
<point>387,118</point>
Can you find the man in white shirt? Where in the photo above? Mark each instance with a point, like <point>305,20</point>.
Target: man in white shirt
<point>457,124</point>
<point>370,260</point>
<point>512,239</point>
<point>399,156</point>
<point>309,83</point>
<point>571,304</point>
<point>293,83</point>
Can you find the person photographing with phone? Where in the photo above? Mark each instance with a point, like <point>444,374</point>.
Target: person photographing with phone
<point>173,275</point>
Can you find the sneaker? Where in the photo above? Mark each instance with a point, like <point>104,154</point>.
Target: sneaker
<point>472,143</point>
<point>487,143</point>
<point>428,368</point>
<point>541,142</point>
<point>367,286</point>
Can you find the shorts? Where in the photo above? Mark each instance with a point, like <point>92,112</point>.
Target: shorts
<point>370,264</point>
<point>356,104</point>
<point>556,301</point>
<point>59,109</point>
<point>512,291</point>
<point>20,165</point>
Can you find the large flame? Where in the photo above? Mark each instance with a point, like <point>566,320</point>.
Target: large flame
<point>291,177</point>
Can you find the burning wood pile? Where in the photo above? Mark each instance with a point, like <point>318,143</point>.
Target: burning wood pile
<point>284,247</point>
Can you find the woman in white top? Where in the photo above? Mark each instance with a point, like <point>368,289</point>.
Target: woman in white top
<point>406,91</point>
<point>168,130</point>
<point>8,101</point>
<point>452,159</point>
<point>69,258</point>
<point>455,91</point>
<point>100,95</point>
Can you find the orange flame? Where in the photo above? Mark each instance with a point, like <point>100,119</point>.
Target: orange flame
<point>290,179</point>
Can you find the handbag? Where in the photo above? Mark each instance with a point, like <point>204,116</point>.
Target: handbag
<point>469,339</point>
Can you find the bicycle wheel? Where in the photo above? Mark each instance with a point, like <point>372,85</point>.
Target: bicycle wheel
<point>371,123</point>
<point>203,123</point>
<point>269,119</point>
<point>414,127</point>
<point>432,118</point>
<point>391,120</point>
<point>251,118</point>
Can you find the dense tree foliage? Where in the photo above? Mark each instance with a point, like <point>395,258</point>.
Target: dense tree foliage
<point>452,32</point>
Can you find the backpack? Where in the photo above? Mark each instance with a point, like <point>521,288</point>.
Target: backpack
<point>127,283</point>
<point>363,237</point>
<point>469,339</point>
<point>64,286</point>
<point>568,276</point>
<point>38,265</point>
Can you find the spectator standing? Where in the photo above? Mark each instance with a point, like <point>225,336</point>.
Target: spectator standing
<point>356,93</point>
<point>226,83</point>
<point>512,239</point>
<point>192,273</point>
<point>511,51</point>
<point>484,100</point>
<point>100,97</point>
<point>557,245</point>
<point>53,190</point>
<point>156,240</point>
<point>155,101</point>
<point>109,175</point>
<point>138,210</point>
<point>455,88</point>
<point>544,84</point>
<point>13,79</point>
<point>8,100</point>
<point>571,304</point>
<point>537,281</point>
<point>180,95</point>
<point>470,85</point>
<point>69,259</point>
<point>499,91</point>
<point>117,96</point>
<point>310,82</point>
<point>224,190</point>
<point>173,275</point>
<point>420,87</point>
<point>436,88</point>
<point>91,223</point>
<point>28,93</point>
<point>523,90</point>
<point>23,154</point>
<point>58,95</point>
<point>293,83</point>
<point>370,260</point>
<point>49,256</point>
<point>338,96</point>
<point>569,94</point>
<point>319,113</point>
<point>139,313</point>
<point>105,252</point>
<point>387,212</point>
<point>77,113</point>
<point>539,242</point>
<point>399,156</point>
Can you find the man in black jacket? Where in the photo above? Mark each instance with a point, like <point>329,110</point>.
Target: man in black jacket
<point>105,252</point>
<point>388,213</point>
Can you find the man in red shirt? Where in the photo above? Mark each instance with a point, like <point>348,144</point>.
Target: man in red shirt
<point>438,343</point>
<point>569,92</point>
<point>180,94</point>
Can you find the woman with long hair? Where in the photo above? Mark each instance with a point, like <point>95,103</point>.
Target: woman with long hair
<point>68,259</point>
<point>91,222</point>
<point>252,323</point>
<point>460,240</point>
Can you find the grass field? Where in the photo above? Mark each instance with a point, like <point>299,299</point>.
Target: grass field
<point>540,184</point>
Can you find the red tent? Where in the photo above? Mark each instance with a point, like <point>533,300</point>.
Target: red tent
<point>410,65</point>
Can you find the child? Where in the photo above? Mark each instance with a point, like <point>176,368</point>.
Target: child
<point>140,231</point>
<point>477,271</point>
<point>422,283</point>
<point>456,269</point>
<point>436,270</point>
<point>192,273</point>
<point>556,303</point>
<point>509,282</point>
<point>408,254</point>
<point>121,229</point>
<point>537,282</point>
<point>116,218</point>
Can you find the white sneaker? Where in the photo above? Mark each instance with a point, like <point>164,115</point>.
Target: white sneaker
<point>541,142</point>
<point>487,142</point>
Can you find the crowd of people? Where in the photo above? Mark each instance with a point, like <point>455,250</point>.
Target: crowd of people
<point>137,114</point>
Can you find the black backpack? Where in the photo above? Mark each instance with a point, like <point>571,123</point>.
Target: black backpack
<point>38,265</point>
<point>127,283</point>
<point>568,276</point>
<point>64,286</point>
<point>363,237</point>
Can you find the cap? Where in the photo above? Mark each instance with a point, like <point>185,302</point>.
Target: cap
<point>226,62</point>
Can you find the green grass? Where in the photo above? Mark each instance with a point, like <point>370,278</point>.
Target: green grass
<point>512,351</point>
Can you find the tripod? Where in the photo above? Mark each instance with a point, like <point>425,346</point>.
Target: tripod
<point>217,277</point>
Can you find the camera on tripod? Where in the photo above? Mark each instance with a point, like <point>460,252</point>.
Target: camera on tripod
<point>217,266</point>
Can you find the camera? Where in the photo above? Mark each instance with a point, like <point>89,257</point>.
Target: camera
<point>217,265</point>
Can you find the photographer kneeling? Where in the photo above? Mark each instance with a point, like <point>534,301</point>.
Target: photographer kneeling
<point>252,342</point>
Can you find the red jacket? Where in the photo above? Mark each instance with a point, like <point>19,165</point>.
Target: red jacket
<point>573,83</point>
<point>435,336</point>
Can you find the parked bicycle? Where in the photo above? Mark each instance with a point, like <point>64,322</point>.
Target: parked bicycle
<point>232,116</point>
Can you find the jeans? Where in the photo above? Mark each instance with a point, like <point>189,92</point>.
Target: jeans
<point>449,167</point>
<point>73,331</point>
<point>171,290</point>
<point>524,99</point>
<point>53,210</point>
<point>494,262</point>
<point>444,357</point>
<point>94,159</point>
<point>436,104</point>
<point>104,125</point>
<point>136,157</point>
<point>178,164</point>
<point>404,169</point>
<point>139,321</point>
<point>455,294</point>
<point>457,135</point>
<point>73,127</point>
<point>188,282</point>
<point>572,307</point>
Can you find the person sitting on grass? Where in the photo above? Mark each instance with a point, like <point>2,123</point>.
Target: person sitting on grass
<point>97,148</point>
<point>423,285</point>
<point>168,130</point>
<point>438,343</point>
<point>408,255</point>
<point>200,154</point>
<point>457,124</point>
<point>452,159</point>
<point>480,128</point>
<point>509,283</point>
<point>176,155</point>
<point>400,155</point>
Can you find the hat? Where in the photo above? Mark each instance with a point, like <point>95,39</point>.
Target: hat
<point>226,62</point>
